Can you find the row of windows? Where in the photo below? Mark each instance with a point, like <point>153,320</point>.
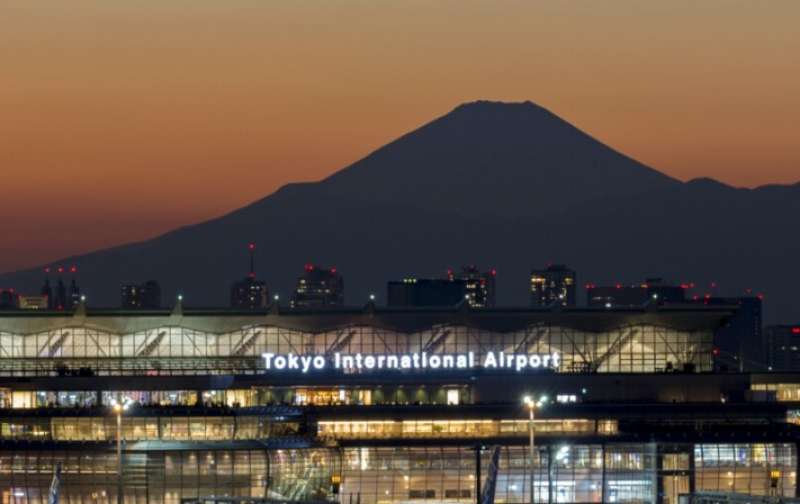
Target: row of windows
<point>243,427</point>
<point>784,392</point>
<point>410,429</point>
<point>260,396</point>
<point>144,428</point>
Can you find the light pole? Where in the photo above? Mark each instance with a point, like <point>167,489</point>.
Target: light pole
<point>532,404</point>
<point>119,408</point>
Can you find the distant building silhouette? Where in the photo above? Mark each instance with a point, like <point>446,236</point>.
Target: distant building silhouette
<point>65,299</point>
<point>46,290</point>
<point>317,288</point>
<point>249,293</point>
<point>141,296</point>
<point>783,347</point>
<point>32,302</point>
<point>8,299</point>
<point>74,294</point>
<point>421,292</point>
<point>60,301</point>
<point>479,286</point>
<point>740,343</point>
<point>553,285</point>
<point>652,290</point>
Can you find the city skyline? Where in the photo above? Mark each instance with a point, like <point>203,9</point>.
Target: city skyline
<point>492,170</point>
<point>122,97</point>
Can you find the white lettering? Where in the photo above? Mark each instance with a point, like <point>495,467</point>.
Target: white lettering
<point>521,362</point>
<point>448,361</point>
<point>348,362</point>
<point>421,360</point>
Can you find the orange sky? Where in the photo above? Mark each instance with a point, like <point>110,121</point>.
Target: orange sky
<point>120,120</point>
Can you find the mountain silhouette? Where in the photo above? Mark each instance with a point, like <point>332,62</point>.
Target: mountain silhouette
<point>498,158</point>
<point>510,186</point>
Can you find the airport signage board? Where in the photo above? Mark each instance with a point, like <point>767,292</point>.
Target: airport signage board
<point>420,361</point>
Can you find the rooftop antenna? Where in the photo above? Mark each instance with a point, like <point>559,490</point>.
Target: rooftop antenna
<point>251,247</point>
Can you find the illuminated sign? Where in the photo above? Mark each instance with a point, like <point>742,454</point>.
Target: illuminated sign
<point>412,361</point>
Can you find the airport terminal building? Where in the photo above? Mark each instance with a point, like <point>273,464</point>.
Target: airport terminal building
<point>380,406</point>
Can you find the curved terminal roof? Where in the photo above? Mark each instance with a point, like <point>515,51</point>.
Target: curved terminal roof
<point>678,317</point>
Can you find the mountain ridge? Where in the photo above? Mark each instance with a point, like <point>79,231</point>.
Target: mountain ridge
<point>377,228</point>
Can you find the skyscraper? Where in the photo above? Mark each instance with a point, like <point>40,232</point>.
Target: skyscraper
<point>249,293</point>
<point>553,285</point>
<point>318,287</point>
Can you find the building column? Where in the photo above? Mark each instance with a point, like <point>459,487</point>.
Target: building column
<point>603,475</point>
<point>550,489</point>
<point>477,474</point>
<point>691,469</point>
<point>659,476</point>
<point>796,470</point>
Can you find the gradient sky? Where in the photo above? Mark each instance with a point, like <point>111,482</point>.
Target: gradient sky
<point>121,120</point>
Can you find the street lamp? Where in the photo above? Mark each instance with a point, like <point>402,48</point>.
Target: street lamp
<point>532,404</point>
<point>119,407</point>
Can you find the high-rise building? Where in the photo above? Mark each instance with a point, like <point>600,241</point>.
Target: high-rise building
<point>142,296</point>
<point>426,292</point>
<point>553,285</point>
<point>46,290</point>
<point>65,299</point>
<point>652,290</point>
<point>479,286</point>
<point>8,299</point>
<point>74,294</point>
<point>318,288</point>
<point>739,343</point>
<point>783,347</point>
<point>250,293</point>
<point>60,300</point>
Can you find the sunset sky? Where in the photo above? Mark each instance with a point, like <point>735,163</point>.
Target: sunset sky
<point>121,120</point>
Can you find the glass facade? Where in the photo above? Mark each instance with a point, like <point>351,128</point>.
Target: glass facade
<point>416,429</point>
<point>745,468</point>
<point>87,351</point>
<point>625,473</point>
<point>784,392</point>
<point>136,428</point>
<point>629,420</point>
